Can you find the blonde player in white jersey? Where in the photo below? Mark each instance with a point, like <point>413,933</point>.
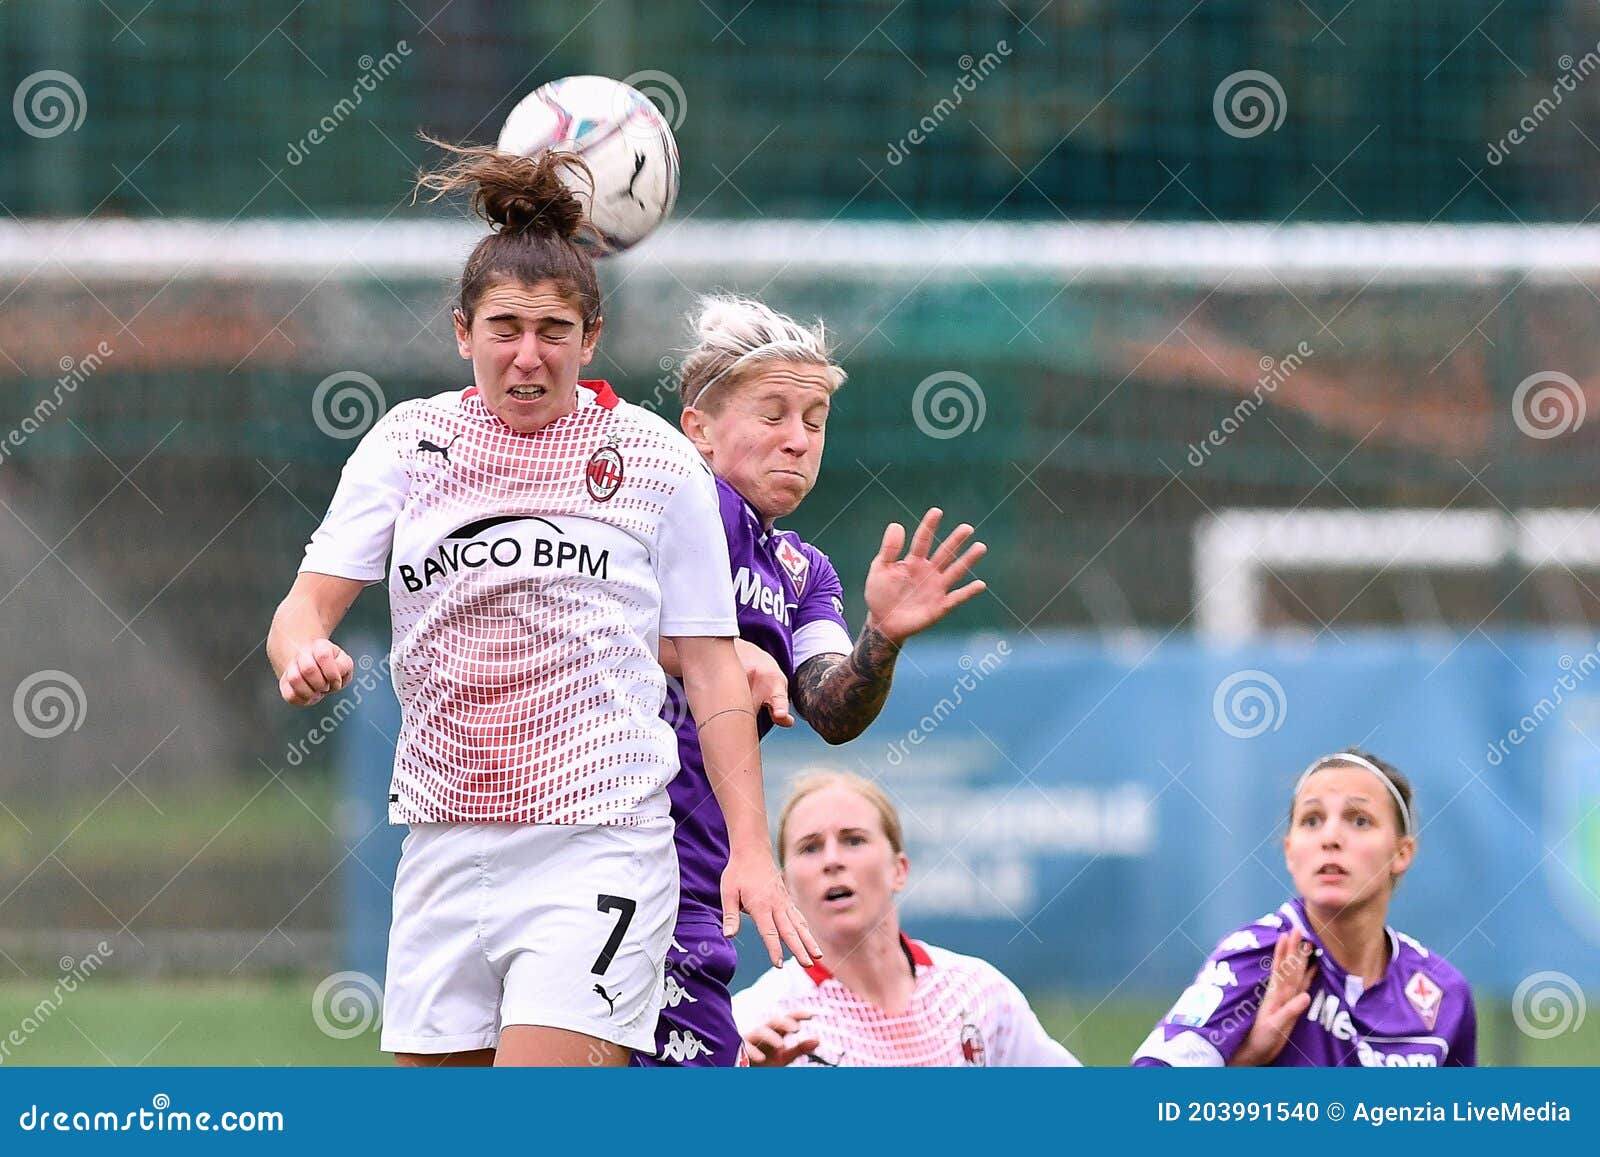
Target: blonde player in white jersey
<point>541,537</point>
<point>882,998</point>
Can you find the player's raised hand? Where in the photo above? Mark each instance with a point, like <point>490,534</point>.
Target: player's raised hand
<point>1283,1004</point>
<point>769,687</point>
<point>910,594</point>
<point>751,882</point>
<point>781,1041</point>
<point>319,668</point>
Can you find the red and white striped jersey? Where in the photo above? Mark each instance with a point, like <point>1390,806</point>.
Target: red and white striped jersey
<point>963,1012</point>
<point>530,577</point>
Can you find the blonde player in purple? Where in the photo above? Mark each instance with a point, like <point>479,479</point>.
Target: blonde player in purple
<point>1324,981</point>
<point>757,388</point>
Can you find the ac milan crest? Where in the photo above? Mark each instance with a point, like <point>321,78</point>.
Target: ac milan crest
<point>603,475</point>
<point>972,1045</point>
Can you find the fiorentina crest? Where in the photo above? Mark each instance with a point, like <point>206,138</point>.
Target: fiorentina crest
<point>795,563</point>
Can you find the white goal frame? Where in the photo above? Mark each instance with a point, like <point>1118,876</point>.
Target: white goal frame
<point>1235,548</point>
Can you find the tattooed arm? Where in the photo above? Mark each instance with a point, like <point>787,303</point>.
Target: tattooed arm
<point>840,695</point>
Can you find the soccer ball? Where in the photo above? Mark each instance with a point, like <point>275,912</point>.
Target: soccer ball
<point>620,135</point>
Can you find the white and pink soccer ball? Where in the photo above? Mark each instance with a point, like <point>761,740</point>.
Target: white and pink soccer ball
<point>622,137</point>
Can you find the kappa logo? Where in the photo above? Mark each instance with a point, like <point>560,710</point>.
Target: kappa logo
<point>676,993</point>
<point>1237,941</point>
<point>1426,997</point>
<point>603,475</point>
<point>794,561</point>
<point>682,1045</point>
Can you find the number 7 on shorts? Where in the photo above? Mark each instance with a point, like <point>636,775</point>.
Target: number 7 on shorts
<point>626,908</point>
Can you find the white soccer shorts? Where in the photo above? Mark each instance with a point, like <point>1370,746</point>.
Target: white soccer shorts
<point>559,925</point>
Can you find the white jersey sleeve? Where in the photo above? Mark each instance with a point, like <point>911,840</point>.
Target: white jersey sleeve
<point>355,537</point>
<point>692,563</point>
<point>774,991</point>
<point>1020,1040</point>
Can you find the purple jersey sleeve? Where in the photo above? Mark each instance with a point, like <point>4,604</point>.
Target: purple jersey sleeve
<point>1213,1016</point>
<point>819,623</point>
<point>1464,1041</point>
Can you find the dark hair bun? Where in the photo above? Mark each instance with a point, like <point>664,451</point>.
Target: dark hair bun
<point>516,194</point>
<point>526,193</point>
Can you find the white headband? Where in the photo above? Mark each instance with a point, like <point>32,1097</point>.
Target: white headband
<point>794,343</point>
<point>1359,761</point>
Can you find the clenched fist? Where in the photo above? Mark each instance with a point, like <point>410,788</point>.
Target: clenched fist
<point>318,669</point>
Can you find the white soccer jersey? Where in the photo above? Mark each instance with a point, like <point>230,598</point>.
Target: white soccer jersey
<point>962,1012</point>
<point>530,579</point>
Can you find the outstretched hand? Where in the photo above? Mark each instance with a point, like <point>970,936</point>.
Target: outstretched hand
<point>910,594</point>
<point>1284,1003</point>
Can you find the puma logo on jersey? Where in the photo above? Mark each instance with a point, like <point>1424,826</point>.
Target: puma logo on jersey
<point>683,1045</point>
<point>611,1001</point>
<point>443,451</point>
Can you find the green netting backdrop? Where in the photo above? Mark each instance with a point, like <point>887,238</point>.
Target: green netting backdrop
<point>1088,109</point>
<point>186,473</point>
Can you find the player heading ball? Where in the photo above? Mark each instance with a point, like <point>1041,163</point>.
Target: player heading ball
<point>1323,981</point>
<point>561,533</point>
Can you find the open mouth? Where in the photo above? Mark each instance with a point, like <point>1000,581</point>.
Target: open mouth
<point>1331,872</point>
<point>527,393</point>
<point>837,893</point>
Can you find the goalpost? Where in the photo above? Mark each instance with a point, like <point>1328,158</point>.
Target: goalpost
<point>1234,550</point>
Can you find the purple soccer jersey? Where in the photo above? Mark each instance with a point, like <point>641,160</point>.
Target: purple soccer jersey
<point>790,603</point>
<point>1419,1015</point>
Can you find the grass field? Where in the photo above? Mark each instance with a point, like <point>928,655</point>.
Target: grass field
<point>118,1022</point>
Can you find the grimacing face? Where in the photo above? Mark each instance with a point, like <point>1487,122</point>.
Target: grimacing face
<point>1344,847</point>
<point>526,344</point>
<point>839,865</point>
<point>764,434</point>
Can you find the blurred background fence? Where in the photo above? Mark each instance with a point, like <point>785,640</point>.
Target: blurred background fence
<point>1099,273</point>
